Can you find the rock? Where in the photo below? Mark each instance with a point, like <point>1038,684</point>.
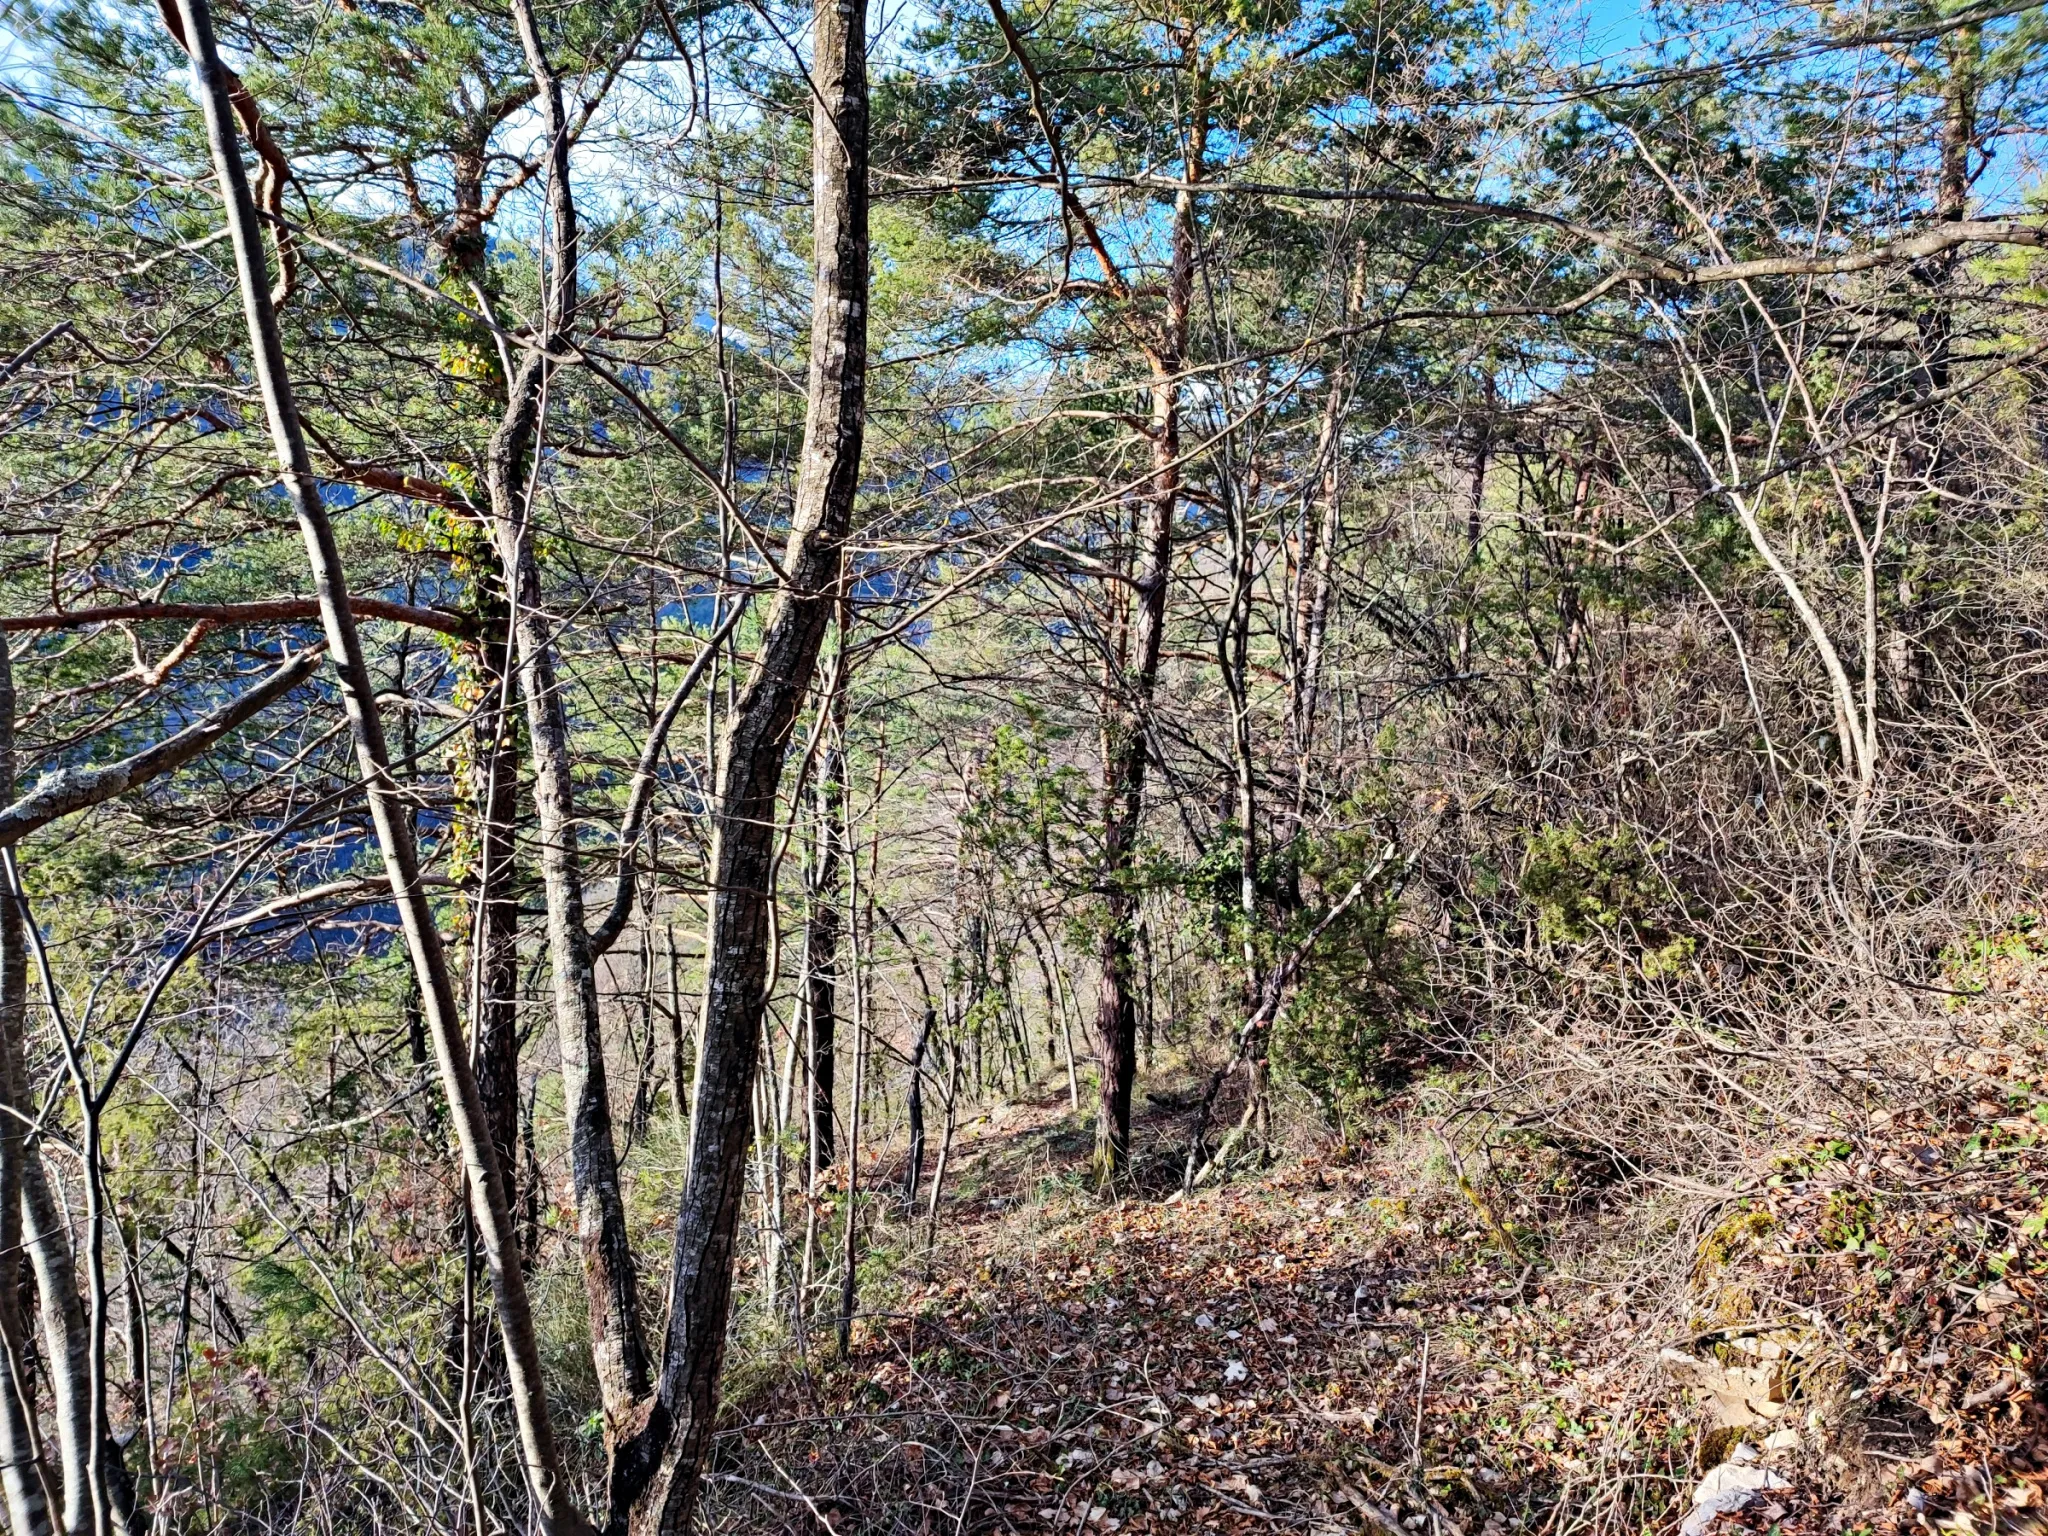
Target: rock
<point>1728,1488</point>
<point>1706,1511</point>
<point>1744,1475</point>
<point>1738,1396</point>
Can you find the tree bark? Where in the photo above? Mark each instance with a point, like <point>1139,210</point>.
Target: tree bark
<point>654,1489</point>
<point>821,936</point>
<point>273,610</point>
<point>96,1492</point>
<point>1321,526</point>
<point>1127,688</point>
<point>494,794</point>
<point>618,1344</point>
<point>67,1347</point>
<point>1964,55</point>
<point>913,1163</point>
<point>1124,757</point>
<point>25,1476</point>
<point>70,790</point>
<point>849,1254</point>
<point>416,917</point>
<point>1234,657</point>
<point>494,786</point>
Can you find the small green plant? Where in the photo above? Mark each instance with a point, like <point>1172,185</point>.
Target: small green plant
<point>1797,1167</point>
<point>1847,1220</point>
<point>1585,885</point>
<point>1997,959</point>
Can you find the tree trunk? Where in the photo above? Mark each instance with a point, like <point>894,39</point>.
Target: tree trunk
<point>618,1345</point>
<point>821,937</point>
<point>1964,54</point>
<point>416,917</point>
<point>67,1349</point>
<point>1234,654</point>
<point>913,1170</point>
<point>849,1257</point>
<point>494,736</point>
<point>1321,526</point>
<point>24,1477</point>
<point>654,1482</point>
<point>494,795</point>
<point>1127,691</point>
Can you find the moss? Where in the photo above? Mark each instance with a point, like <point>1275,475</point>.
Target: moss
<point>1503,1234</point>
<point>1735,1235</point>
<point>1717,1445</point>
<point>1581,883</point>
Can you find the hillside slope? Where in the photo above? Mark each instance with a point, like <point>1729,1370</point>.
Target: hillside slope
<point>1362,1341</point>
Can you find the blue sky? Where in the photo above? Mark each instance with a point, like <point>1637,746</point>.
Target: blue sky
<point>1613,24</point>
<point>1612,27</point>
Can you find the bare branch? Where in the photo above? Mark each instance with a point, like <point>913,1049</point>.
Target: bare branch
<point>276,610</point>
<point>70,790</point>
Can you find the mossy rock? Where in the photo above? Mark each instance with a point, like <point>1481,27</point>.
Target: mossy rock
<point>1736,1236</point>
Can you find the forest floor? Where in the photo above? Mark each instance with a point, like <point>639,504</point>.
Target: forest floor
<point>1332,1343</point>
<point>1354,1340</point>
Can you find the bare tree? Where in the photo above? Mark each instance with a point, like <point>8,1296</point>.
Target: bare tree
<point>489,1207</point>
<point>655,1476</point>
<point>617,1339</point>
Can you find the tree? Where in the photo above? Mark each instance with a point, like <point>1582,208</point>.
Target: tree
<point>655,1475</point>
<point>489,1208</point>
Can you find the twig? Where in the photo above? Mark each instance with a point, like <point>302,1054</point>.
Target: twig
<point>809,1503</point>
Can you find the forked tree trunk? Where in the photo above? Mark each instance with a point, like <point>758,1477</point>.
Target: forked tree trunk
<point>98,1493</point>
<point>654,1483</point>
<point>97,1490</point>
<point>387,812</point>
<point>618,1345</point>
